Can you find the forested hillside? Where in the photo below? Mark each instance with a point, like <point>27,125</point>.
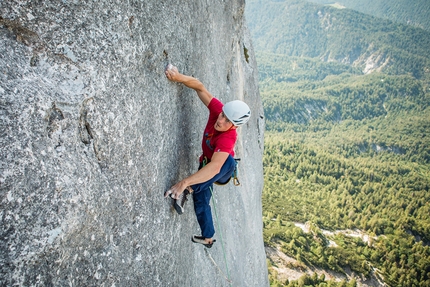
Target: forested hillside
<point>346,99</point>
<point>409,12</point>
<point>299,28</point>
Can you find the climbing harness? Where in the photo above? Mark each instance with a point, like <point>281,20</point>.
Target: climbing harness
<point>234,176</point>
<point>222,245</point>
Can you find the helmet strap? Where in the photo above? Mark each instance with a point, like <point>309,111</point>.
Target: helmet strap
<point>233,127</point>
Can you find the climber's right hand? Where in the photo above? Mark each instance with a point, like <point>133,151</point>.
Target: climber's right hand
<point>172,73</point>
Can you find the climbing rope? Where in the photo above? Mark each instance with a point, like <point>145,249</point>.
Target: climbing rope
<point>222,245</point>
<point>216,265</point>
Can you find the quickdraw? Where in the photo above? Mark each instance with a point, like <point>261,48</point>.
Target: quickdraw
<point>236,181</point>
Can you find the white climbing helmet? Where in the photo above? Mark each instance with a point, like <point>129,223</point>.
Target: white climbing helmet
<point>237,112</point>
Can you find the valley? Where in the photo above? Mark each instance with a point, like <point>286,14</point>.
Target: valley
<point>346,97</point>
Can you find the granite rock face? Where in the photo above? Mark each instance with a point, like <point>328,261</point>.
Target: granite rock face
<point>92,134</point>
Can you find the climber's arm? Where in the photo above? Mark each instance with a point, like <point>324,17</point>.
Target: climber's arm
<point>203,175</point>
<point>191,82</point>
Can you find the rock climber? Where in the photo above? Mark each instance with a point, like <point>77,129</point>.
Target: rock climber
<point>217,161</point>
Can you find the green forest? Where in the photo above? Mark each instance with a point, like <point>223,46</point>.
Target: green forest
<point>346,148</point>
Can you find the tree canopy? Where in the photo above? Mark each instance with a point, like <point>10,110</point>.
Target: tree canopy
<point>346,100</point>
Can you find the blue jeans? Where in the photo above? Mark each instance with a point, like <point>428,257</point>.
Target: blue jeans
<point>202,196</point>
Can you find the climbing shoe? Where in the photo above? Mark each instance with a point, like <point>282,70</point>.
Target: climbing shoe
<point>179,203</point>
<point>201,240</point>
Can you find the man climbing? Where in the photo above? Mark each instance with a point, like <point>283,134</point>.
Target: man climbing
<point>216,163</point>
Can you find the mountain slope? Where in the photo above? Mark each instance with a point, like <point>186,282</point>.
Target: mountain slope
<point>414,13</point>
<point>298,28</point>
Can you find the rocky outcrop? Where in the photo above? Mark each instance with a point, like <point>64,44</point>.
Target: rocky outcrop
<point>92,134</point>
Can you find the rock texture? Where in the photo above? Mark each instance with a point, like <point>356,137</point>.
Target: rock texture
<point>92,134</point>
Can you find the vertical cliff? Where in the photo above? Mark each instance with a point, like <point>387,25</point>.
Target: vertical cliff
<point>92,134</point>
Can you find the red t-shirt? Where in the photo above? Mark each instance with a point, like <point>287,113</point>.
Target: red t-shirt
<point>213,140</point>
